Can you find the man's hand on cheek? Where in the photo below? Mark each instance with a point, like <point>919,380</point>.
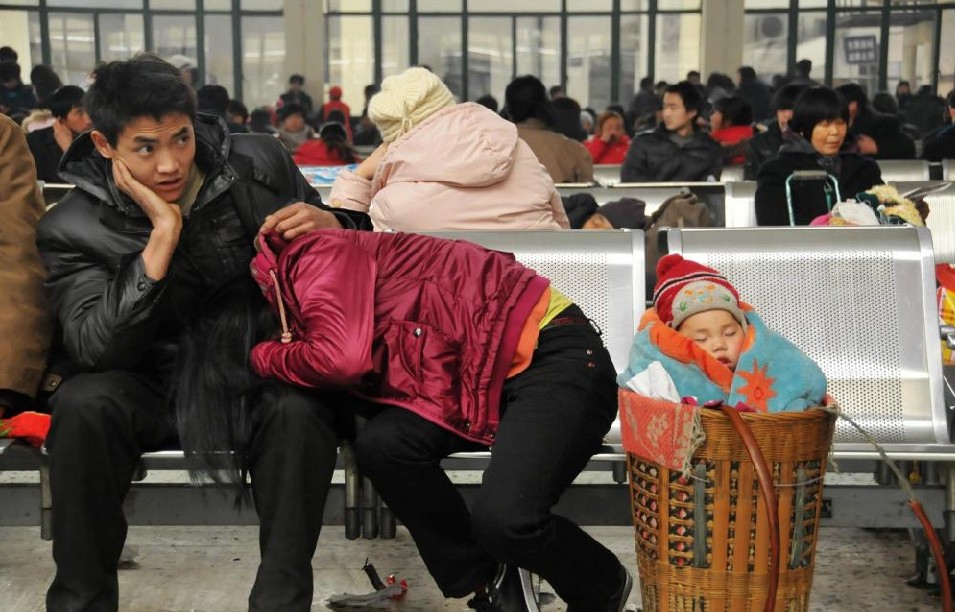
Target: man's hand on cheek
<point>161,214</point>
<point>299,219</point>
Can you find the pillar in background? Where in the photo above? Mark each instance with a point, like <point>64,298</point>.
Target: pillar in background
<point>305,46</point>
<point>721,48</point>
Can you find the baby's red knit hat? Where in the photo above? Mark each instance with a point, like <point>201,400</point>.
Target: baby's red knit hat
<point>685,288</point>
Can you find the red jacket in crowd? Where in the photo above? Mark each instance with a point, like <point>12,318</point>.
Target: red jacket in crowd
<point>315,152</point>
<point>734,139</point>
<point>612,152</point>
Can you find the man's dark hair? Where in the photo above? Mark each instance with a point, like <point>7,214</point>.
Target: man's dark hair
<point>7,53</point>
<point>646,83</point>
<point>235,107</point>
<point>260,120</point>
<point>291,109</point>
<point>786,96</point>
<point>555,90</point>
<point>746,74</point>
<point>212,99</point>
<point>804,67</point>
<point>488,101</point>
<point>853,92</point>
<point>45,81</point>
<point>296,79</point>
<point>718,79</point>
<point>814,106</point>
<point>526,97</point>
<point>65,99</point>
<point>735,110</point>
<point>144,86</point>
<point>689,93</point>
<point>9,71</point>
<point>691,74</point>
<point>884,102</point>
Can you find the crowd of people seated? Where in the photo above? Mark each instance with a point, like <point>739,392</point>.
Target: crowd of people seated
<point>685,131</point>
<point>147,265</point>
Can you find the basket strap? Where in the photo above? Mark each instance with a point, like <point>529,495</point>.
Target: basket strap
<point>767,489</point>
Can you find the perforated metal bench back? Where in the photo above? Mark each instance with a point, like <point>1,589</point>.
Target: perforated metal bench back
<point>941,222</point>
<point>894,170</point>
<point>859,301</point>
<point>601,271</point>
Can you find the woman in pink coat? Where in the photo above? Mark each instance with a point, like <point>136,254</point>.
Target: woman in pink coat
<point>446,166</point>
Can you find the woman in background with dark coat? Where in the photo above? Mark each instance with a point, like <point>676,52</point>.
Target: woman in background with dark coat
<point>814,141</point>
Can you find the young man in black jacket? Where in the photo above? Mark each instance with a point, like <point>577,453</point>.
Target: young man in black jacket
<point>49,144</point>
<point>677,150</point>
<point>765,145</point>
<point>164,213</point>
<point>877,136</point>
<point>940,144</point>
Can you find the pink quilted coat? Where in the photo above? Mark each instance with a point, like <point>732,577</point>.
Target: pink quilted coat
<point>462,168</point>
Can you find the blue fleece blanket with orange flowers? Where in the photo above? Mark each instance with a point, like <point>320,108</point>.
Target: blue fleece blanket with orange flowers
<point>772,374</point>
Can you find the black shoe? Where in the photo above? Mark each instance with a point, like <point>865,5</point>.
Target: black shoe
<point>617,601</point>
<point>505,593</point>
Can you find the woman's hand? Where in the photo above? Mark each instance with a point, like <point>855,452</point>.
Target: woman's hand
<point>368,167</point>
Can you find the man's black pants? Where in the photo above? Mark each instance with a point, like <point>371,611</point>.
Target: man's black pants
<point>554,417</point>
<point>102,423</point>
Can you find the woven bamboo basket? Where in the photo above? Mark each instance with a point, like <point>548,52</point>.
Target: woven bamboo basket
<point>703,542</point>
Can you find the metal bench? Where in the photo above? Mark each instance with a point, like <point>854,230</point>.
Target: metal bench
<point>601,271</point>
<point>607,174</point>
<point>941,222</point>
<point>894,170</point>
<point>860,301</point>
<point>731,173</point>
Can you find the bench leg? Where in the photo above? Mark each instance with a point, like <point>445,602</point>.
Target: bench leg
<point>527,588</point>
<point>46,500</point>
<point>369,509</point>
<point>387,522</point>
<point>140,473</point>
<point>619,471</point>
<point>352,486</point>
<point>950,503</point>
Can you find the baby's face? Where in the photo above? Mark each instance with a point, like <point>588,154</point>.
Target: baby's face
<point>718,332</point>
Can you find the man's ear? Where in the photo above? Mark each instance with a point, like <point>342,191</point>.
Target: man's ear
<point>102,144</point>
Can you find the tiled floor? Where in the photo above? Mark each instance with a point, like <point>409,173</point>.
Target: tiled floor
<point>210,569</point>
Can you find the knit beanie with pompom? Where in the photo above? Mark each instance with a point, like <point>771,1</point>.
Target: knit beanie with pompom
<point>685,288</point>
<point>407,99</point>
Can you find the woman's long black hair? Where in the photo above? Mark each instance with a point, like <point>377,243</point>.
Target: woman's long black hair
<point>217,389</point>
<point>335,137</point>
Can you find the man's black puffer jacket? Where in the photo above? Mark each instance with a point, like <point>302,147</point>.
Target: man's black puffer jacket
<point>111,315</point>
<point>653,156</point>
<point>760,149</point>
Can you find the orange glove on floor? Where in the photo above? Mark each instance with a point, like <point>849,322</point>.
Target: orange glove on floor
<point>31,427</point>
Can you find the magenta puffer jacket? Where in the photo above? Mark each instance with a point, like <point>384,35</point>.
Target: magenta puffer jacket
<point>427,324</point>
